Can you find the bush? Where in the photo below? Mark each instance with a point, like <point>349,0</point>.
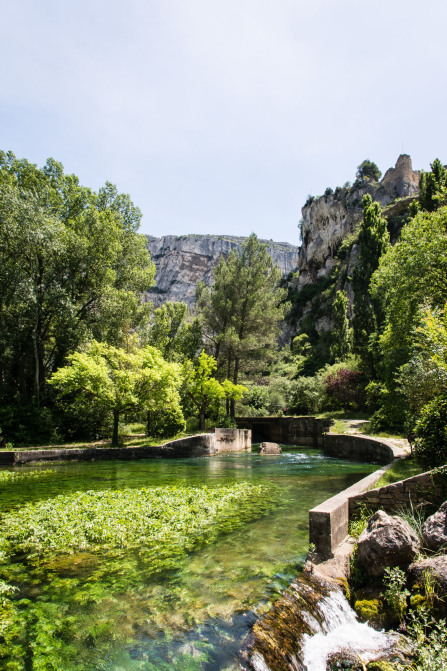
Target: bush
<point>166,423</point>
<point>27,424</point>
<point>431,434</point>
<point>346,389</point>
<point>306,396</point>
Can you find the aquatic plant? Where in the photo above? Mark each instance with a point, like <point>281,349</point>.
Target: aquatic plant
<point>7,477</point>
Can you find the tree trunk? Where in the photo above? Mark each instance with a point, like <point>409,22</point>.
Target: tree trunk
<point>116,416</point>
<point>202,420</point>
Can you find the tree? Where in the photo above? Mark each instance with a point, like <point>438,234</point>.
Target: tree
<point>241,311</point>
<point>174,333</point>
<point>433,187</point>
<point>73,268</point>
<point>342,341</point>
<point>373,242</point>
<point>368,170</point>
<point>119,380</point>
<point>204,390</point>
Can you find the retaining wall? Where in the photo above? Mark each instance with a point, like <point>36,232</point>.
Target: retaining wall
<point>412,492</point>
<point>328,522</point>
<point>232,440</point>
<point>290,430</point>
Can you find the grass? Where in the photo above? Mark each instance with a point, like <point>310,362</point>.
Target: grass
<point>401,470</point>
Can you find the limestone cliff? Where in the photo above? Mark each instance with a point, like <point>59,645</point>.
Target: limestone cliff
<point>328,220</point>
<point>182,261</point>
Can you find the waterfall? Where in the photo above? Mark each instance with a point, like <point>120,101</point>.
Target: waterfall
<point>309,622</point>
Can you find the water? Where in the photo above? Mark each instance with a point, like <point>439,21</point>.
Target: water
<point>88,612</point>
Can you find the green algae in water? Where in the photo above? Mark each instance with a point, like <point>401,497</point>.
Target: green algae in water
<point>106,609</point>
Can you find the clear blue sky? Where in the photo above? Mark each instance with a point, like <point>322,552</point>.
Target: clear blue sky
<point>220,116</point>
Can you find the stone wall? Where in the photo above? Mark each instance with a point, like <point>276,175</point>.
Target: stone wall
<point>306,431</point>
<point>413,492</point>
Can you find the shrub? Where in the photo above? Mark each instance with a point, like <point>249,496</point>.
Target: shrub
<point>306,396</point>
<point>165,424</point>
<point>431,432</point>
<point>346,389</point>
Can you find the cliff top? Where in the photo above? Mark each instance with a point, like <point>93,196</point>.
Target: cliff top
<point>231,238</point>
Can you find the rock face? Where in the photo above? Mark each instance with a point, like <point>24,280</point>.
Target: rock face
<point>387,541</point>
<point>182,261</point>
<point>434,529</point>
<point>328,220</point>
<point>269,448</point>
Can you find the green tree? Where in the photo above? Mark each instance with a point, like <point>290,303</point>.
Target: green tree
<point>373,242</point>
<point>342,333</point>
<point>433,187</point>
<point>120,380</point>
<point>73,268</point>
<point>368,170</point>
<point>204,390</point>
<point>174,332</point>
<point>241,311</point>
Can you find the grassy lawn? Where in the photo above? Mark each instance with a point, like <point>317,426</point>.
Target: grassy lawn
<point>402,469</point>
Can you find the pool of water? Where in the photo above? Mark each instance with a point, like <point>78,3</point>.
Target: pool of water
<point>90,612</point>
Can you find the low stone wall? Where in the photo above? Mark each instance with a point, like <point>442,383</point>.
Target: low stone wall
<point>359,448</point>
<point>328,522</point>
<point>289,430</point>
<point>200,445</point>
<point>412,492</point>
<point>232,440</point>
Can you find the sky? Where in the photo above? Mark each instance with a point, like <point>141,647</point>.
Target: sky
<point>221,116</point>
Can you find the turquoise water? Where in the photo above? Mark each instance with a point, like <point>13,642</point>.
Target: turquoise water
<point>84,611</point>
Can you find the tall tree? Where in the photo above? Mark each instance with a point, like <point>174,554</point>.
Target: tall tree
<point>433,187</point>
<point>342,342</point>
<point>242,309</point>
<point>174,332</point>
<point>374,240</point>
<point>73,268</point>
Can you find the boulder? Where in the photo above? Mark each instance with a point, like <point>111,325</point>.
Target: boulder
<point>387,541</point>
<point>434,529</point>
<point>269,448</point>
<point>431,572</point>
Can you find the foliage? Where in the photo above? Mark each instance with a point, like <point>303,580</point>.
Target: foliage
<point>359,523</point>
<point>433,187</point>
<point>373,242</point>
<point>166,423</point>
<point>368,170</point>
<point>174,332</point>
<point>395,593</point>
<point>73,267</point>
<point>429,639</point>
<point>306,396</point>
<point>118,380</point>
<point>431,432</point>
<point>166,521</point>
<point>342,343</point>
<point>204,390</point>
<point>241,311</point>
<point>345,388</point>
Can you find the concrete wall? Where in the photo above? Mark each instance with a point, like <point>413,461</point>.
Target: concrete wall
<point>200,445</point>
<point>289,430</point>
<point>232,440</point>
<point>358,448</point>
<point>415,491</point>
<point>328,522</point>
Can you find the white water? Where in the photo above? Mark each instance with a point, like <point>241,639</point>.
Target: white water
<point>340,630</point>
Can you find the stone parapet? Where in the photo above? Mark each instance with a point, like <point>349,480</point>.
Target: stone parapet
<point>361,448</point>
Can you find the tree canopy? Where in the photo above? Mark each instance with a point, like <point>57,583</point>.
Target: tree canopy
<point>73,268</point>
<point>241,311</point>
<point>368,170</point>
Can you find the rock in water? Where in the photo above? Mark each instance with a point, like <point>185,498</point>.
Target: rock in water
<point>269,448</point>
<point>434,530</point>
<point>387,541</point>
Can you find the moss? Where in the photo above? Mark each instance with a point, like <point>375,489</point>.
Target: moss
<point>368,609</point>
<point>380,666</point>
